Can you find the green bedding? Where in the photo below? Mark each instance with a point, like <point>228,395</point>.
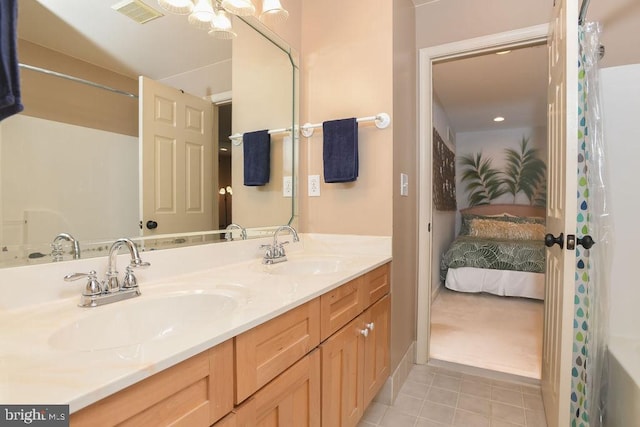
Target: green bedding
<point>497,254</point>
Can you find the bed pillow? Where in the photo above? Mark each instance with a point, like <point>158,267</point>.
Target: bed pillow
<point>503,227</point>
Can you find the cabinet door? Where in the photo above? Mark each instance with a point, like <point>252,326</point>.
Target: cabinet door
<point>376,353</point>
<point>268,349</point>
<point>342,376</point>
<point>293,398</point>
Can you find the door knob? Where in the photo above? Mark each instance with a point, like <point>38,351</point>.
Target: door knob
<point>586,242</point>
<point>151,224</point>
<point>550,240</point>
<point>364,332</point>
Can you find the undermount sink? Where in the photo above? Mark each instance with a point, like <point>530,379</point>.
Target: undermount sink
<point>308,265</point>
<point>141,320</point>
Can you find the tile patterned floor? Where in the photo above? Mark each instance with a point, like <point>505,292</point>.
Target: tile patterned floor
<point>438,397</point>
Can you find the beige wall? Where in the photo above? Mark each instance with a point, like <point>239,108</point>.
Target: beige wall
<point>405,153</point>
<point>52,98</point>
<point>346,71</point>
<point>620,21</point>
<point>453,20</point>
<point>360,62</point>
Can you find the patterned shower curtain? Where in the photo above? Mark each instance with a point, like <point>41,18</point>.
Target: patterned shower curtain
<point>590,325</point>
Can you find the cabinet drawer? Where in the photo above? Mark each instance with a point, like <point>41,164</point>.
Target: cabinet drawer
<point>340,306</point>
<point>268,349</point>
<point>196,392</point>
<point>377,284</point>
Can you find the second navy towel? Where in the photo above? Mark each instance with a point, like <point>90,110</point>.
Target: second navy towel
<point>257,157</point>
<point>340,150</point>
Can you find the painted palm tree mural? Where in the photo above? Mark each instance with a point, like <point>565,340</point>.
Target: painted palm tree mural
<point>524,172</point>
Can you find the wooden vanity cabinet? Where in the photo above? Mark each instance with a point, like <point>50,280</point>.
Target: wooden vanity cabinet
<point>318,364</point>
<point>355,360</point>
<point>195,392</point>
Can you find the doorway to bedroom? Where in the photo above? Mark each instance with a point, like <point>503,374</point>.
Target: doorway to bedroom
<point>489,115</point>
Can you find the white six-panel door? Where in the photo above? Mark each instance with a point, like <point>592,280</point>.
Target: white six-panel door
<point>177,152</point>
<point>561,211</point>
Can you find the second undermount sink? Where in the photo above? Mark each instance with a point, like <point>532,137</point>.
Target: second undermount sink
<point>141,320</point>
<point>309,265</point>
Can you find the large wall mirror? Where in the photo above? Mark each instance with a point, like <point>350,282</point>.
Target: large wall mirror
<point>100,164</point>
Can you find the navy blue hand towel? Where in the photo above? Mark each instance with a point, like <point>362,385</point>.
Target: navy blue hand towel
<point>10,101</point>
<point>257,157</point>
<point>340,150</point>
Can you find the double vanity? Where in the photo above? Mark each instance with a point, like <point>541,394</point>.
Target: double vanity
<point>217,337</point>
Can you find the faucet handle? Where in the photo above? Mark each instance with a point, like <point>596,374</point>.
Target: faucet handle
<point>129,280</point>
<point>92,287</point>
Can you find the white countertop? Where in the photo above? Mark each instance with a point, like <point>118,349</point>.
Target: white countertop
<point>34,306</point>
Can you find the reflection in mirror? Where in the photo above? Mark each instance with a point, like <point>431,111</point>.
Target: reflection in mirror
<point>70,161</point>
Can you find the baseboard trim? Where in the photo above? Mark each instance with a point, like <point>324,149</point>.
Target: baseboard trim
<point>394,383</point>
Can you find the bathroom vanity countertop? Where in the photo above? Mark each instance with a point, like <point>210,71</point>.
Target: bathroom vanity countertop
<point>37,367</point>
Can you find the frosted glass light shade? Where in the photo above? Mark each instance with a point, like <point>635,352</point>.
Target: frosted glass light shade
<point>202,14</point>
<point>239,7</point>
<point>179,7</point>
<point>272,11</point>
<point>221,26</point>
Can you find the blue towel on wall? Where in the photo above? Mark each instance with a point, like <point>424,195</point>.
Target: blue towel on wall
<point>340,150</point>
<point>10,101</point>
<point>257,157</point>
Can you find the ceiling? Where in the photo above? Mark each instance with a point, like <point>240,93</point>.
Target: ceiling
<point>476,89</point>
<point>92,31</point>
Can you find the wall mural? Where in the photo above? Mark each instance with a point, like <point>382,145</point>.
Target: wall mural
<point>524,172</point>
<point>444,175</point>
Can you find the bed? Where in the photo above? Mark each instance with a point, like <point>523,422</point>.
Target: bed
<point>500,250</point>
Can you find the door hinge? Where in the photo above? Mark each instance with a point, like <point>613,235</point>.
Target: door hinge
<point>429,228</point>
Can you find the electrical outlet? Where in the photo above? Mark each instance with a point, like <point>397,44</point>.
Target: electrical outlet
<point>287,186</point>
<point>314,185</point>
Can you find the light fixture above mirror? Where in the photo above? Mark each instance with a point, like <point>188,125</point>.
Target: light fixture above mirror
<point>213,15</point>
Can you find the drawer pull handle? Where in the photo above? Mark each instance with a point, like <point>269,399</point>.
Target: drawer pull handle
<point>364,332</point>
<point>370,326</point>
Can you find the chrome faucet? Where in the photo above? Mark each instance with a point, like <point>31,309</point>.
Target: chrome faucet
<point>112,282</point>
<point>275,252</point>
<point>56,252</point>
<point>229,235</point>
<point>110,290</point>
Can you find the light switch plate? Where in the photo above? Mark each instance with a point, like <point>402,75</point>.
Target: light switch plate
<point>314,185</point>
<point>287,186</point>
<point>404,184</point>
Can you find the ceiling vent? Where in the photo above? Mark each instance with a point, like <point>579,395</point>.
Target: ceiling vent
<point>137,10</point>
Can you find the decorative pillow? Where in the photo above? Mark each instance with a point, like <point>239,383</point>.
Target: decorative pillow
<point>503,227</point>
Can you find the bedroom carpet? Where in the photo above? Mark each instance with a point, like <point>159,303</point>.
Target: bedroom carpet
<point>486,331</point>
